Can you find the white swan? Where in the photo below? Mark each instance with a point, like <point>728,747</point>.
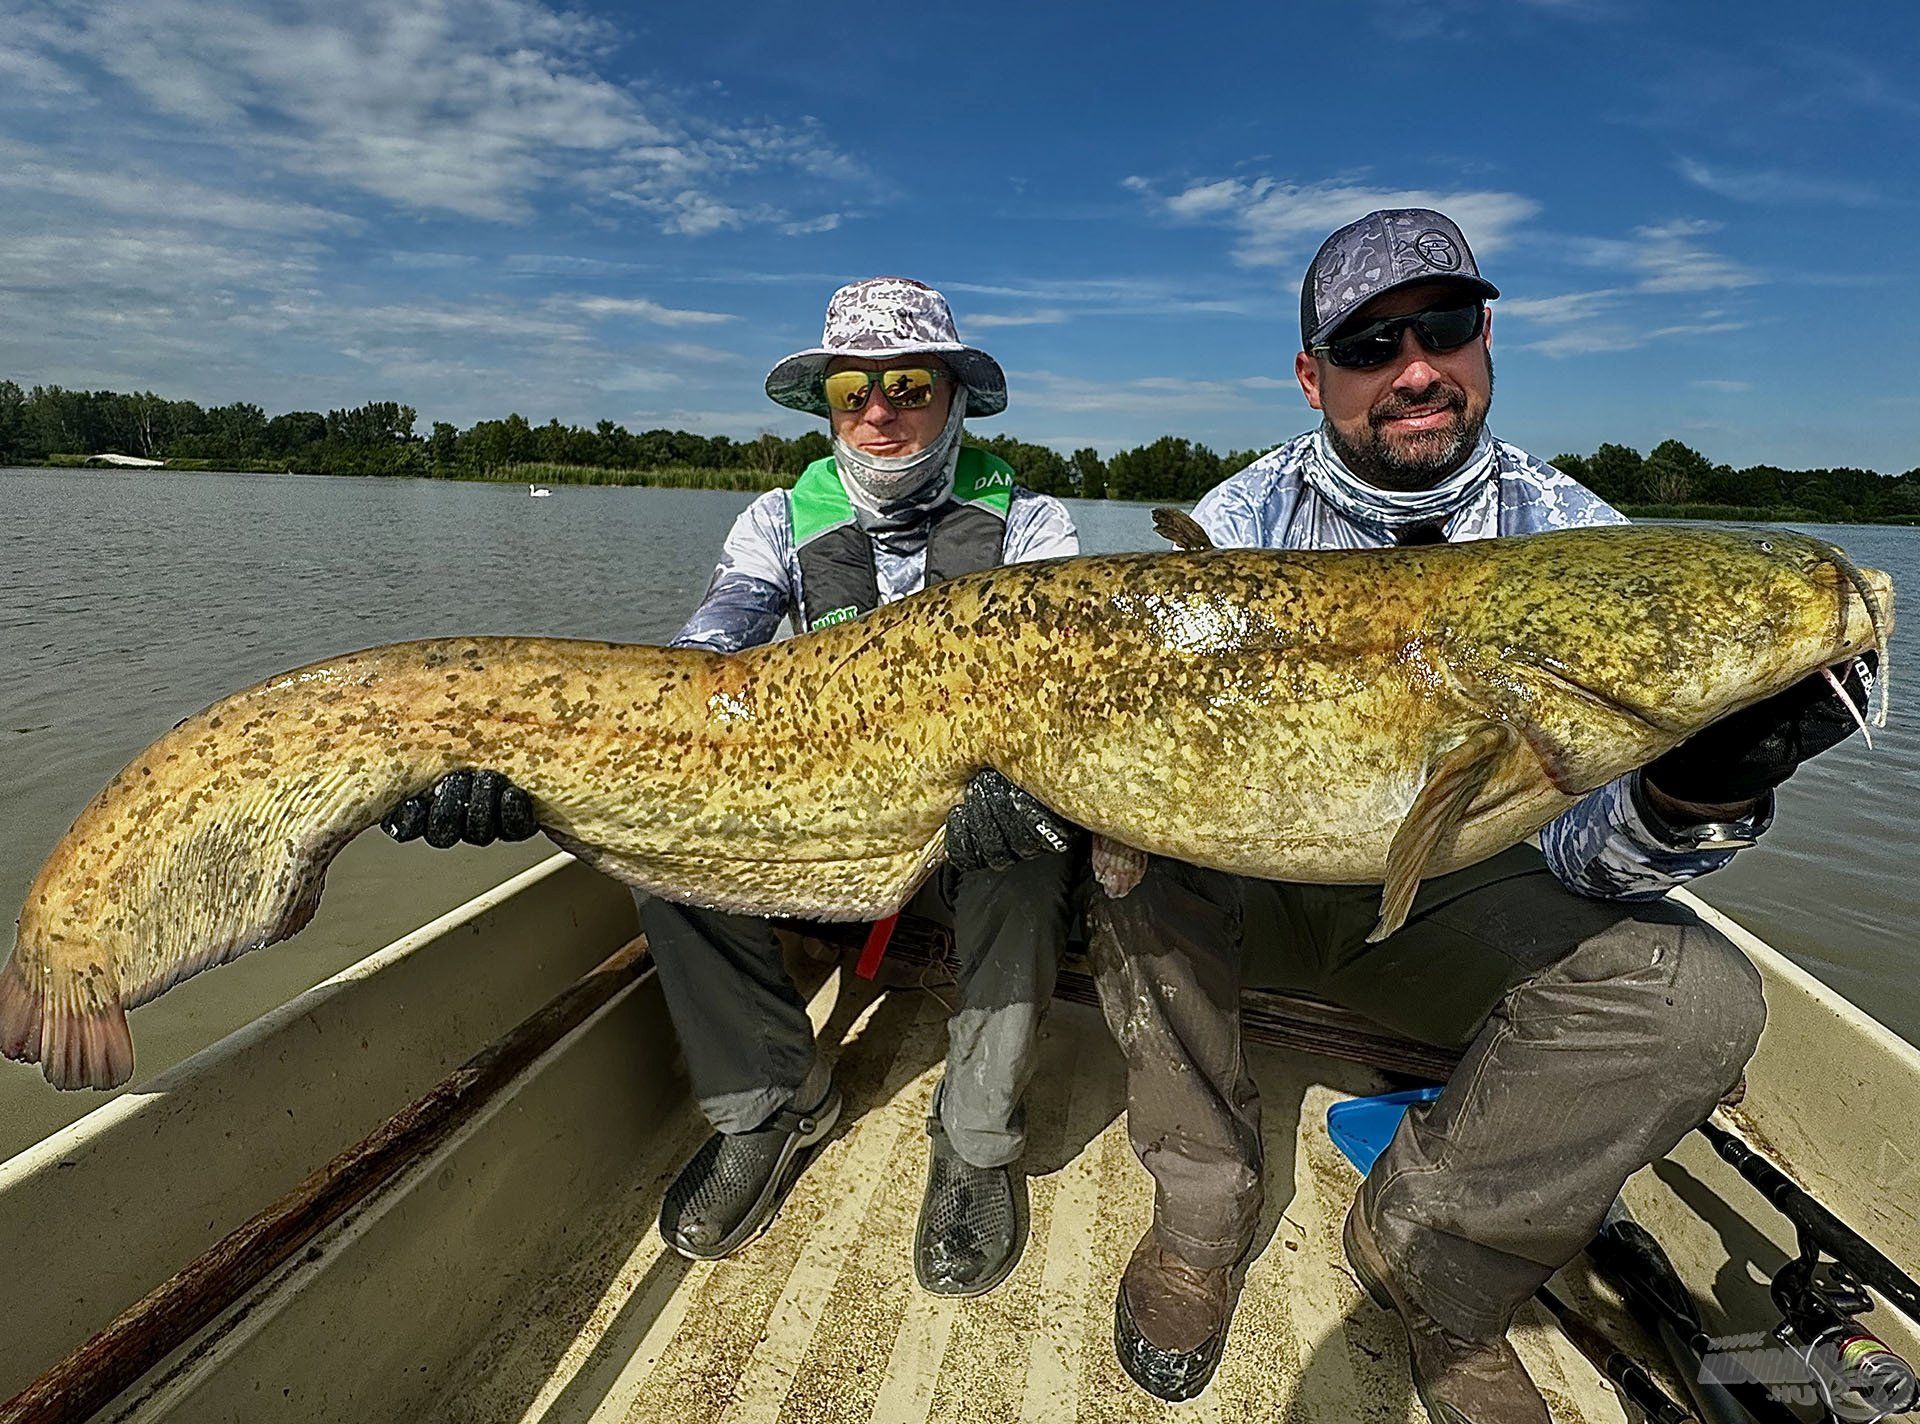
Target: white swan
<point>539,491</point>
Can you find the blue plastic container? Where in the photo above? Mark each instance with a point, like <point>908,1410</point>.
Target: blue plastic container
<point>1362,1127</point>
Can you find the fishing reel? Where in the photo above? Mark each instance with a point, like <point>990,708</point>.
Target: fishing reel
<point>1859,1378</point>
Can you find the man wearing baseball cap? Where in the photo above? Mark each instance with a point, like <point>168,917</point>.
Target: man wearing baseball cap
<point>1600,1022</point>
<point>899,504</point>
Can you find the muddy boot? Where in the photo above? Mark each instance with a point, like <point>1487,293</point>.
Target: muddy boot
<point>727,1194</point>
<point>1459,1381</point>
<point>1170,1321</point>
<point>972,1222</point>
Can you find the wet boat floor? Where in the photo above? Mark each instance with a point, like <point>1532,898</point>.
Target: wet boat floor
<point>819,1319</point>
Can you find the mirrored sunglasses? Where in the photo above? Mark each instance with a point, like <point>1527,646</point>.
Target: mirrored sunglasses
<point>902,387</point>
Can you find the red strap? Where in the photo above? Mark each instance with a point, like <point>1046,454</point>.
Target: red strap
<point>876,946</point>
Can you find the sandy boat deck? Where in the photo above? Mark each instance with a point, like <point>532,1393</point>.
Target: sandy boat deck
<point>820,1318</point>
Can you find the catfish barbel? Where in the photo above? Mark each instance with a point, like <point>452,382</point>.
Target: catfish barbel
<point>1357,717</point>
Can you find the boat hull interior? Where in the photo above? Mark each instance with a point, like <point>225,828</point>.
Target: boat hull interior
<point>514,1273</point>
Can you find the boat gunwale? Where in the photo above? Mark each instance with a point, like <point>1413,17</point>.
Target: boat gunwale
<point>133,1101</point>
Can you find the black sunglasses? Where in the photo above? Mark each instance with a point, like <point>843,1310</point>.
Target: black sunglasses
<point>1438,329</point>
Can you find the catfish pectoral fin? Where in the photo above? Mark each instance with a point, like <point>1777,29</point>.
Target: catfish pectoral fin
<point>1450,788</point>
<point>1117,866</point>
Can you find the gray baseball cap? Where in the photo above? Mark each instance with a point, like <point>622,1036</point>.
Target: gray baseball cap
<point>1383,250</point>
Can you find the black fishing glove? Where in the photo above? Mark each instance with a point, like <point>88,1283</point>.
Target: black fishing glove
<point>1743,756</point>
<point>478,807</point>
<point>998,824</point>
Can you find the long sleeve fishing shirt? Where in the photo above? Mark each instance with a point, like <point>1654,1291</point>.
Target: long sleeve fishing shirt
<point>758,577</point>
<point>1605,846</point>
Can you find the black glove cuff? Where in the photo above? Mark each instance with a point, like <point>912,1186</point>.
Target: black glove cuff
<point>1699,835</point>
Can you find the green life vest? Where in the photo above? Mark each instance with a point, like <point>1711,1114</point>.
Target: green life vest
<point>837,576</point>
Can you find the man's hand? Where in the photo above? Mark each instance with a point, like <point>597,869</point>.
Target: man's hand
<point>478,807</point>
<point>998,824</point>
<point>1737,760</point>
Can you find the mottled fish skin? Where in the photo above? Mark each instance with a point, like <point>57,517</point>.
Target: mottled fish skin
<point>1268,713</point>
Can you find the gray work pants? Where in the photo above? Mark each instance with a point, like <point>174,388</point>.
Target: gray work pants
<point>750,1047</point>
<point>1597,1033</point>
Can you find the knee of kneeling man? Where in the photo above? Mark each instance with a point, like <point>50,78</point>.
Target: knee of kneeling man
<point>1716,995</point>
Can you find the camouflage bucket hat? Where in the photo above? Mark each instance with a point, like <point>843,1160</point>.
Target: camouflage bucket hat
<point>1394,247</point>
<point>881,318</point>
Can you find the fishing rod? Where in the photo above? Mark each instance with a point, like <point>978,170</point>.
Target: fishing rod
<point>1818,1227</point>
<point>1860,1378</point>
<point>1722,1389</point>
<point>1635,1385</point>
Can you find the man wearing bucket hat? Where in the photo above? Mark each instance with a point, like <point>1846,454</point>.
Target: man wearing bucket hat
<point>1600,1022</point>
<point>900,503</point>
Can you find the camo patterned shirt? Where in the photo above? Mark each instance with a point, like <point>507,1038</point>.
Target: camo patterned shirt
<point>758,577</point>
<point>1605,846</point>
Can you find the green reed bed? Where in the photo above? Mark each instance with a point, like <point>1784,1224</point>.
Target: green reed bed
<point>663,476</point>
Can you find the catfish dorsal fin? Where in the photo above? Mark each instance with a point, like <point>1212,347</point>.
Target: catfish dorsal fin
<point>1181,529</point>
<point>1450,788</point>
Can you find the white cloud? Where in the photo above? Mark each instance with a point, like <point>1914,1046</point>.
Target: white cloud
<point>154,267</point>
<point>474,107</point>
<point>637,378</point>
<point>432,261</point>
<point>1563,307</point>
<point>1773,186</point>
<point>693,351</point>
<point>826,222</point>
<point>1040,316</point>
<point>1053,393</point>
<point>478,318</point>
<point>1668,257</point>
<point>1107,296</point>
<point>1280,223</point>
<point>640,307</point>
<point>1588,340</point>
<point>1589,337</point>
<point>694,214</point>
<point>88,303</point>
<point>26,75</point>
<point>145,195</point>
<point>1697,328</point>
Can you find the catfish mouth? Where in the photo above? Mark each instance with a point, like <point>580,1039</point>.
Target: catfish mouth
<point>1875,589</point>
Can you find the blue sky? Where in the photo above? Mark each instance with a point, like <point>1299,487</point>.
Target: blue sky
<point>1705,219</point>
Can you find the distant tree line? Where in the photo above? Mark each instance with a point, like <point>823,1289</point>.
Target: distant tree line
<point>1675,477</point>
<point>49,423</point>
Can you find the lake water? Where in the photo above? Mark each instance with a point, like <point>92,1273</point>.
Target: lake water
<point>130,600</point>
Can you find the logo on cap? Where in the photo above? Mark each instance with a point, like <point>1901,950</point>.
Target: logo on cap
<point>1436,249</point>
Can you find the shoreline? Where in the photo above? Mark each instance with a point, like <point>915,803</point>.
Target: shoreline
<point>745,480</point>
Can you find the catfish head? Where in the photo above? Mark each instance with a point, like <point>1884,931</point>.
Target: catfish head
<point>1609,648</point>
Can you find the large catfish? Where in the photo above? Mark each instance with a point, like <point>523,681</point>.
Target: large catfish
<point>1345,717</point>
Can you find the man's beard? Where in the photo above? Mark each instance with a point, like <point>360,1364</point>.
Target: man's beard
<point>1421,459</point>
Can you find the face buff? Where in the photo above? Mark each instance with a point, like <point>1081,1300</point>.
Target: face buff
<point>1391,510</point>
<point>893,491</point>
